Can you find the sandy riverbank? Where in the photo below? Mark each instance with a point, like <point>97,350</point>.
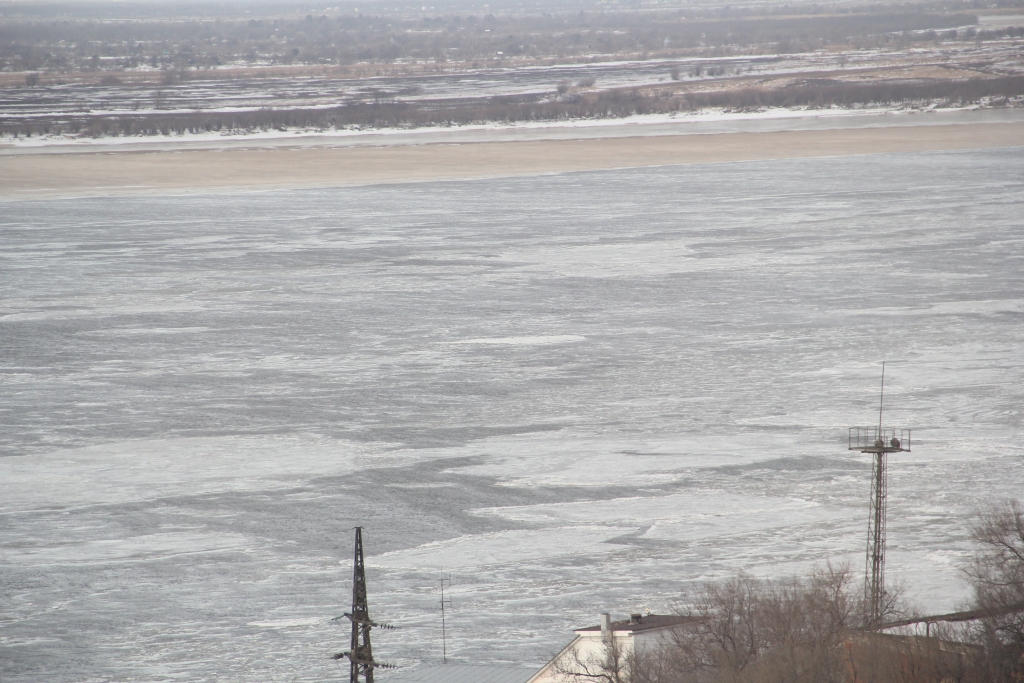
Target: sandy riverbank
<point>88,174</point>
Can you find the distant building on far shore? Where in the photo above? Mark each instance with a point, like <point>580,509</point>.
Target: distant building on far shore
<point>592,645</point>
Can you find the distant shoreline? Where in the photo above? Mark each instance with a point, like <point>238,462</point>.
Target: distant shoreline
<point>93,172</point>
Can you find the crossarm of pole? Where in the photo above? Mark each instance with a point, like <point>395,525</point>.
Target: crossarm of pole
<point>359,620</point>
<point>364,662</point>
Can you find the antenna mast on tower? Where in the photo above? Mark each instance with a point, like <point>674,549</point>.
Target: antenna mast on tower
<point>360,656</point>
<point>879,441</point>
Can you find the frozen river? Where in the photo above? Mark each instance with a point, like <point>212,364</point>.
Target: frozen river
<point>574,393</point>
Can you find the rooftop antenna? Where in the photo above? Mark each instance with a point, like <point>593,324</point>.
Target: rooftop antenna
<point>879,441</point>
<point>444,632</point>
<point>881,396</point>
<point>360,655</point>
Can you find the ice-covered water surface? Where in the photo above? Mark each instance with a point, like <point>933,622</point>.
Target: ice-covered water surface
<point>576,393</point>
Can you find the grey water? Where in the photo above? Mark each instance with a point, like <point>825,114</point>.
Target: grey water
<point>571,393</point>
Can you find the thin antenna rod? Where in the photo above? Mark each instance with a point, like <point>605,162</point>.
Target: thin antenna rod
<point>881,397</point>
<point>444,635</point>
<point>444,631</point>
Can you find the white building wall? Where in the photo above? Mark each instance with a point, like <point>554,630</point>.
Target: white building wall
<point>653,639</point>
<point>590,647</point>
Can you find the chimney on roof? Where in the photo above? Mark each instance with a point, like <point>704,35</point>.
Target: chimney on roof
<point>635,618</point>
<point>606,625</point>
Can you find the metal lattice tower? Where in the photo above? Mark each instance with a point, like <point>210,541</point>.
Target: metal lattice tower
<point>874,564</point>
<point>879,441</point>
<point>360,656</point>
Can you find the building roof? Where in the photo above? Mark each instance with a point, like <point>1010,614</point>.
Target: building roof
<point>646,622</point>
<point>461,673</point>
<point>969,615</point>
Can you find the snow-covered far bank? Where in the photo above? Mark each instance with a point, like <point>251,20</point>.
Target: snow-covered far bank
<point>493,154</point>
<point>681,123</point>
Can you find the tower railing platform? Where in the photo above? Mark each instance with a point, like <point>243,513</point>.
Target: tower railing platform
<point>879,439</point>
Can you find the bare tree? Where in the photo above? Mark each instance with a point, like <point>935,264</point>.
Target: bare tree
<point>906,657</point>
<point>725,637</point>
<point>611,663</point>
<point>997,577</point>
<point>746,630</point>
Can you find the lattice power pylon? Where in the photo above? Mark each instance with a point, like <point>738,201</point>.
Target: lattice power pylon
<point>360,656</point>
<point>879,441</point>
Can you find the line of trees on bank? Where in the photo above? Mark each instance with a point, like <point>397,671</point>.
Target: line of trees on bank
<point>812,629</point>
<point>88,45</point>
<point>573,104</point>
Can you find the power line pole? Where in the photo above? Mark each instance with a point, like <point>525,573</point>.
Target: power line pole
<point>360,656</point>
